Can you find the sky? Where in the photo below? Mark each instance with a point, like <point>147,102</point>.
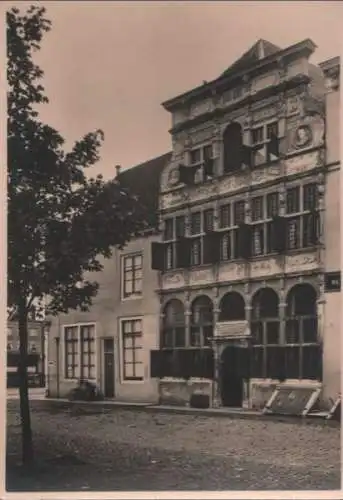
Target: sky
<point>110,65</point>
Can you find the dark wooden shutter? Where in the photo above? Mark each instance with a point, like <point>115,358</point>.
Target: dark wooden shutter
<point>244,241</point>
<point>314,227</point>
<point>157,256</point>
<point>279,234</point>
<point>211,247</point>
<point>156,363</point>
<point>187,174</point>
<point>183,252</point>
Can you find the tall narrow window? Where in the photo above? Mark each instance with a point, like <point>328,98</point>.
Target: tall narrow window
<point>132,279</point>
<point>233,140</point>
<point>132,338</point>
<point>302,217</point>
<point>71,342</point>
<point>201,321</point>
<point>87,334</point>
<point>174,326</point>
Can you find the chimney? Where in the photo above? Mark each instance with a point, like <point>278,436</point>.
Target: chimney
<point>118,168</point>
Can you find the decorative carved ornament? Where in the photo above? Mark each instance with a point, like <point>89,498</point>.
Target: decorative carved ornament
<point>308,132</point>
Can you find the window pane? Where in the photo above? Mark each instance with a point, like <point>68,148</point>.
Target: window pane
<point>180,226</point>
<point>168,229</point>
<point>272,332</point>
<point>128,370</point>
<point>224,216</point>
<point>128,264</point>
<point>257,208</point>
<point>139,355</point>
<point>208,220</point>
<point>310,197</point>
<point>127,326</point>
<point>169,256</point>
<point>272,204</point>
<point>293,200</point>
<point>239,215</point>
<point>138,286</point>
<point>195,156</point>
<point>292,331</point>
<point>138,261</point>
<point>257,135</point>
<point>195,336</point>
<point>167,338</point>
<point>179,337</point>
<point>309,327</point>
<point>196,223</point>
<point>272,129</point>
<point>257,332</point>
<point>128,355</point>
<point>137,326</point>
<point>208,152</point>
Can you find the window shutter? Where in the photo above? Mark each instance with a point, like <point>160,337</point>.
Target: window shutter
<point>183,252</point>
<point>282,128</point>
<point>187,174</point>
<point>244,241</point>
<point>279,234</point>
<point>315,227</point>
<point>157,256</point>
<point>211,247</point>
<point>156,364</point>
<point>273,147</point>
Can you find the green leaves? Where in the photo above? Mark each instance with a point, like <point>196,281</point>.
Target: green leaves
<point>60,223</point>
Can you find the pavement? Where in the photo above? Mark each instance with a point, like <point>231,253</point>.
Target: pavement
<point>116,448</point>
<point>39,394</point>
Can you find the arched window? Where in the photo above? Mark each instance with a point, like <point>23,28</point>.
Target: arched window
<point>303,352</point>
<point>173,334</point>
<point>265,328</point>
<point>301,315</point>
<point>233,141</point>
<point>201,321</point>
<point>232,307</point>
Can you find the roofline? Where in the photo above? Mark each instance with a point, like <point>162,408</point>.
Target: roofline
<point>330,63</point>
<point>306,44</point>
<point>144,163</point>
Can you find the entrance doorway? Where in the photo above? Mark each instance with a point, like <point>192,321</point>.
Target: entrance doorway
<point>231,383</point>
<point>109,368</point>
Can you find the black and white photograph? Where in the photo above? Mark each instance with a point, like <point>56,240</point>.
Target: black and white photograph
<point>171,250</point>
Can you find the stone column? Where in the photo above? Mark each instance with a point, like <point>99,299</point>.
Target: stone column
<point>216,352</point>
<point>218,156</point>
<point>188,314</point>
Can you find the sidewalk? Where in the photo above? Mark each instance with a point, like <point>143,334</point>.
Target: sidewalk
<point>231,413</point>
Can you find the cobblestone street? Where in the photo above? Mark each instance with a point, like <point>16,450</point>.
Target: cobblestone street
<point>121,449</point>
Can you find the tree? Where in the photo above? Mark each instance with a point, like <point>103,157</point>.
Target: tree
<point>60,222</point>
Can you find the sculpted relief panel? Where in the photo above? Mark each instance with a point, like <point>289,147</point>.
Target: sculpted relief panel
<point>231,272</point>
<point>264,268</point>
<point>306,133</point>
<point>201,276</point>
<point>302,262</point>
<point>299,164</point>
<point>173,280</point>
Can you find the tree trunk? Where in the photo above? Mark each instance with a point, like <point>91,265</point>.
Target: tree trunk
<point>27,445</point>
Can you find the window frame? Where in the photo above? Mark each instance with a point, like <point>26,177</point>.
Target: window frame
<point>202,158</point>
<point>133,295</point>
<point>123,378</point>
<point>300,216</point>
<point>77,372</point>
<point>263,223</point>
<point>263,142</point>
